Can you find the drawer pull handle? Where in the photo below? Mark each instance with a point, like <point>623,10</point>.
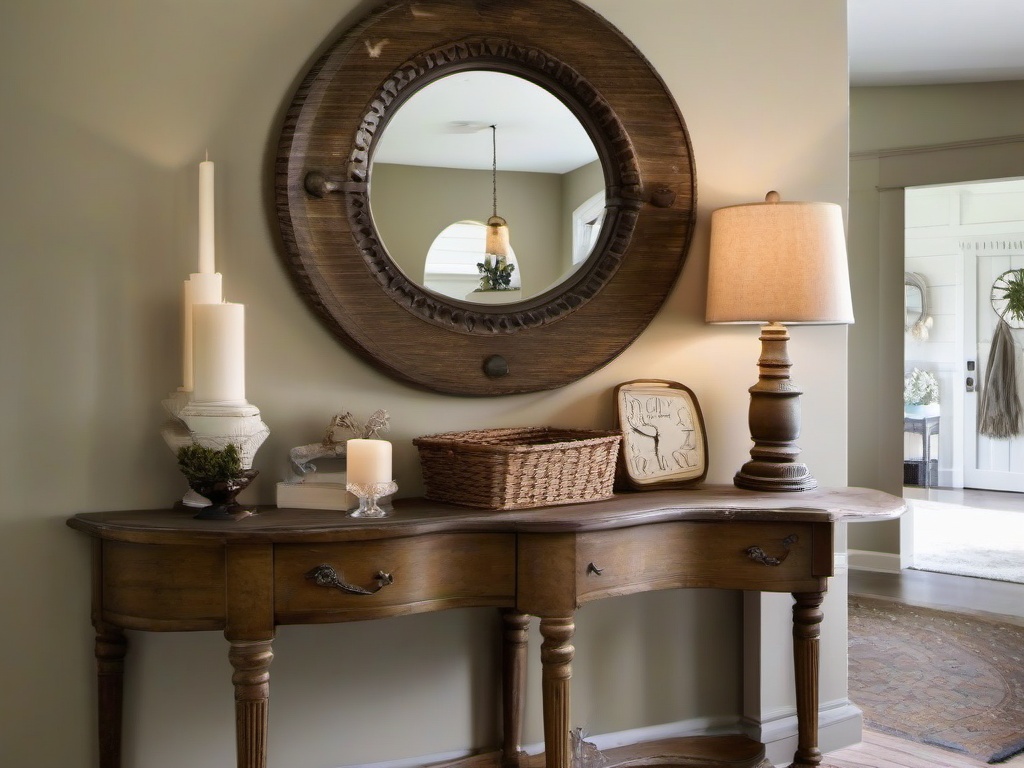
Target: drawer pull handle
<point>758,555</point>
<point>594,569</point>
<point>325,576</point>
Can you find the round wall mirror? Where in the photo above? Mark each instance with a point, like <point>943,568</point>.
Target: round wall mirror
<point>388,142</point>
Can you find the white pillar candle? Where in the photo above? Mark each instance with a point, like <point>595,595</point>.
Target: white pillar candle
<point>368,461</point>
<point>199,289</point>
<point>206,229</point>
<point>218,353</point>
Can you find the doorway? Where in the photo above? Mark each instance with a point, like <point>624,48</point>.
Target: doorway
<point>959,239</point>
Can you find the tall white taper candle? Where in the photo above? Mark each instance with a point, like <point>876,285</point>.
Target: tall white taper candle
<point>206,229</point>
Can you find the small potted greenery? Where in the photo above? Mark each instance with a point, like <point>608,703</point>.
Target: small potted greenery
<point>217,475</point>
<point>921,394</point>
<point>496,275</point>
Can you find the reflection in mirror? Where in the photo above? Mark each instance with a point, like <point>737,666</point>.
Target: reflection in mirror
<point>451,266</point>
<point>432,170</point>
<point>917,321</point>
<point>587,221</point>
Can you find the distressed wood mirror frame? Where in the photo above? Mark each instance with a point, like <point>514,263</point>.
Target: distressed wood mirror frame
<point>335,255</point>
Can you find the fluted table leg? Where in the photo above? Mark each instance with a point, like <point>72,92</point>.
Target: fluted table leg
<point>251,661</point>
<point>515,626</point>
<point>806,631</point>
<point>556,653</point>
<point>111,647</point>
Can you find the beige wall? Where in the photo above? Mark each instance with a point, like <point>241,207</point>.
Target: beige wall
<point>903,137</point>
<point>108,108</point>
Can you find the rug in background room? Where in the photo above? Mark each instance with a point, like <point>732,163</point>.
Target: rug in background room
<point>938,678</point>
<point>966,541</point>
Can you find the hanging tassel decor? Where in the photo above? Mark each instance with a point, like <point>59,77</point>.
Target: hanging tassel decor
<point>1000,412</point>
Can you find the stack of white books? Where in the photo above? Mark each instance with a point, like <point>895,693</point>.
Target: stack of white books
<point>323,489</point>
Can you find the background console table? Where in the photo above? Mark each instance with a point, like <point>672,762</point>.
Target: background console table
<point>161,570</point>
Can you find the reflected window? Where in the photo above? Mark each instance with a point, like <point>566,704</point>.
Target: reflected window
<point>587,221</point>
<point>451,264</point>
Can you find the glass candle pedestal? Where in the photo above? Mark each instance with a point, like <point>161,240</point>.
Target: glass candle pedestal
<point>368,495</point>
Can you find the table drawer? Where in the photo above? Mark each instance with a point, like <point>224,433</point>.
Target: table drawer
<point>755,555</point>
<point>163,588</point>
<point>388,577</point>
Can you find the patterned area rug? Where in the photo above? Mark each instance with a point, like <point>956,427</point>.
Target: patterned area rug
<point>938,678</point>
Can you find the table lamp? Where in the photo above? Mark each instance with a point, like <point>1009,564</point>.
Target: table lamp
<point>777,263</point>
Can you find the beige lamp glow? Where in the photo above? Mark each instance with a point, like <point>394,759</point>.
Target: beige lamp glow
<point>777,263</point>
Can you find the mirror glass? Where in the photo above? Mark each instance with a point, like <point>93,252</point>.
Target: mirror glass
<point>432,189</point>
<point>913,305</point>
<point>914,302</point>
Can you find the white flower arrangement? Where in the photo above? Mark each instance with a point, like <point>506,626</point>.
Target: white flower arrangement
<point>920,388</point>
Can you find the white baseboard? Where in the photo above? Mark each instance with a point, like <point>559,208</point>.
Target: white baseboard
<point>839,725</point>
<point>881,562</point>
<point>709,726</point>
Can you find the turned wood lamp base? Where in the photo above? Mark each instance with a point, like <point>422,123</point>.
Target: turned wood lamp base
<point>774,422</point>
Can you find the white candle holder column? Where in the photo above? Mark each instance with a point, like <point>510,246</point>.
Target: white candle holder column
<point>213,426</point>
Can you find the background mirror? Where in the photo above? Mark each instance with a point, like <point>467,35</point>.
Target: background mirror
<point>915,300</point>
<point>431,185</point>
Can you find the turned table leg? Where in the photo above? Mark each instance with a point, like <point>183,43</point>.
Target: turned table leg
<point>556,653</point>
<point>515,626</point>
<point>806,631</point>
<point>251,661</point>
<point>111,647</point>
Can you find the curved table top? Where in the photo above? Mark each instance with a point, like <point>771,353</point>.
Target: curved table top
<point>419,516</point>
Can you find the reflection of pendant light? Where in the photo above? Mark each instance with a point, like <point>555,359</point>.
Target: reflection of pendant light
<point>497,227</point>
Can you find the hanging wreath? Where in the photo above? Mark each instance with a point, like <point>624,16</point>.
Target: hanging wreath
<point>1008,297</point>
<point>1000,413</point>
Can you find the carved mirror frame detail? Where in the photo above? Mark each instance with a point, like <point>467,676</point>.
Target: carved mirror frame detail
<point>341,267</point>
<point>623,198</point>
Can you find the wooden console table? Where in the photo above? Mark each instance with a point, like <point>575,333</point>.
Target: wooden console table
<point>161,570</point>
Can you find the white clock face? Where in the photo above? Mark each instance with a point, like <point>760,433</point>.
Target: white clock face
<point>663,436</point>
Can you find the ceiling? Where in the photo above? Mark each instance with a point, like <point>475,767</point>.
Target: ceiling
<point>923,42</point>
<point>448,123</point>
<point>891,42</point>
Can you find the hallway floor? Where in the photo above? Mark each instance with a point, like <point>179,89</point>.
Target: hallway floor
<point>968,497</point>
<point>997,599</point>
<point>968,532</point>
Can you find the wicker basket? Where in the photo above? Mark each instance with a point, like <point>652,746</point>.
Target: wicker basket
<point>518,468</point>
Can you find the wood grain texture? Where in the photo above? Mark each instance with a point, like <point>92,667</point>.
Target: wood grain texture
<point>880,750</point>
<point>110,648</point>
<point>807,618</point>
<point>419,516</point>
<point>167,588</point>
<point>251,678</point>
<point>692,554</point>
<point>163,569</point>
<point>431,572</point>
<point>556,654</point>
<point>515,633</point>
<point>725,751</point>
<point>336,256</point>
